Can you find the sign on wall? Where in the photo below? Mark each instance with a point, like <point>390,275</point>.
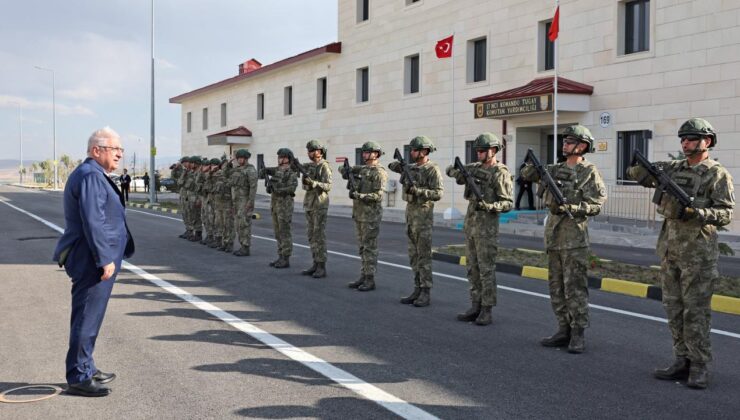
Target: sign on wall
<point>516,106</point>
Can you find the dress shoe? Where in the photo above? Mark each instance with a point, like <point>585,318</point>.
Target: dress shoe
<point>104,378</point>
<point>89,388</point>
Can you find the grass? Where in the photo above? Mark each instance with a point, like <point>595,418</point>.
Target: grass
<point>599,268</point>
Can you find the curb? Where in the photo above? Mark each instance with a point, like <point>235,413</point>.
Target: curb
<point>255,216</point>
<point>720,303</point>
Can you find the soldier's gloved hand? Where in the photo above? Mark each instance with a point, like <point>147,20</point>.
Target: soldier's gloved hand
<point>483,206</point>
<point>690,213</point>
<point>354,195</point>
<point>308,181</point>
<point>413,190</point>
<point>572,208</point>
<point>451,171</point>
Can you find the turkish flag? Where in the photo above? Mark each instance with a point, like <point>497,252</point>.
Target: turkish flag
<point>444,47</point>
<point>555,26</point>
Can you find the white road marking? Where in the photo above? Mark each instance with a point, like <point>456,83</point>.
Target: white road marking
<point>341,377</point>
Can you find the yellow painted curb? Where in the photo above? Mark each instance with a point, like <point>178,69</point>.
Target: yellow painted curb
<point>726,304</point>
<point>624,287</point>
<point>463,260</point>
<point>531,251</point>
<point>534,272</point>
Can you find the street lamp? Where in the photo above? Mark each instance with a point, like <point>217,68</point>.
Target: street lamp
<point>54,121</point>
<point>20,140</point>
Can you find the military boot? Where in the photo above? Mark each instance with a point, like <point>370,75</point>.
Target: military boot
<point>412,297</point>
<point>698,376</point>
<point>282,262</point>
<point>368,285</point>
<point>678,370</point>
<point>577,342</point>
<point>216,242</point>
<point>197,237</point>
<point>559,339</point>
<point>471,314</point>
<point>355,284</point>
<point>320,270</point>
<point>424,298</point>
<point>310,270</point>
<point>272,263</point>
<point>227,248</point>
<point>242,252</point>
<point>206,240</point>
<point>484,318</point>
<point>185,234</point>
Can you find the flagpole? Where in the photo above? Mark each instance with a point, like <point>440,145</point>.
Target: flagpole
<point>452,204</point>
<point>555,93</point>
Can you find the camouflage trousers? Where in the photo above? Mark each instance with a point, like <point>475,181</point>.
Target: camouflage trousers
<point>687,296</point>
<point>568,281</point>
<point>316,230</point>
<point>194,205</point>
<point>481,250</point>
<point>367,237</point>
<point>282,217</point>
<point>206,214</point>
<point>419,233</point>
<point>243,209</point>
<point>224,221</point>
<point>184,210</point>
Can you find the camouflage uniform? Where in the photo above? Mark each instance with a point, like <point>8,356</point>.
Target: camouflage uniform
<point>420,216</point>
<point>207,213</point>
<point>688,247</point>
<point>194,222</point>
<point>284,181</point>
<point>243,181</point>
<point>224,210</point>
<point>566,240</point>
<point>482,222</point>
<point>316,205</point>
<point>177,174</point>
<point>367,211</point>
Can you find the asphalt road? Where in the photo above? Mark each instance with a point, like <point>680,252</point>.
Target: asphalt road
<point>192,359</point>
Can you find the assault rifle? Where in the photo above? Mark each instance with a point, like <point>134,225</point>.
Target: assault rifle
<point>349,177</point>
<point>406,179</point>
<point>552,185</point>
<point>469,180</point>
<point>665,183</point>
<point>298,167</point>
<point>262,171</point>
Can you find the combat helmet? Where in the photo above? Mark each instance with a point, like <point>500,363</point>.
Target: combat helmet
<point>422,142</point>
<point>487,141</point>
<point>371,146</point>
<point>698,127</point>
<point>316,145</point>
<point>215,161</point>
<point>185,159</point>
<point>285,152</point>
<point>243,153</point>
<point>205,161</point>
<point>195,160</point>
<point>582,134</point>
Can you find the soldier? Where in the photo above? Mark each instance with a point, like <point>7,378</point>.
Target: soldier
<point>283,183</point>
<point>186,195</point>
<point>420,198</point>
<point>204,180</point>
<point>316,205</point>
<point>223,208</point>
<point>688,247</point>
<point>243,181</point>
<point>193,186</point>
<point>481,224</point>
<point>210,205</point>
<point>566,239</point>
<point>177,172</point>
<point>367,210</point>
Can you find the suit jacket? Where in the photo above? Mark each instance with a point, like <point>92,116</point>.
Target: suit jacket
<point>96,231</point>
<point>125,180</point>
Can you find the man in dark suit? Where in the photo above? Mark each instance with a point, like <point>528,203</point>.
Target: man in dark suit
<point>94,243</point>
<point>125,183</point>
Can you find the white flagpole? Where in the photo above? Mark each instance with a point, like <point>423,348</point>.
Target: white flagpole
<point>555,93</point>
<point>452,204</point>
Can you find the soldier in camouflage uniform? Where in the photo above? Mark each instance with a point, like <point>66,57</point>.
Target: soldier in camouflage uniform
<point>688,248</point>
<point>566,239</point>
<point>481,224</point>
<point>420,198</point>
<point>204,180</point>
<point>243,181</point>
<point>210,204</point>
<point>193,185</point>
<point>177,173</point>
<point>316,205</point>
<point>283,183</point>
<point>223,208</point>
<point>367,210</point>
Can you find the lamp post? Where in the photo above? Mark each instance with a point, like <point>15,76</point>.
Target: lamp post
<point>20,140</point>
<point>54,122</point>
<point>153,148</point>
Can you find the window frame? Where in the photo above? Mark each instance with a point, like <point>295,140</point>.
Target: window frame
<point>223,114</point>
<point>474,61</point>
<point>623,161</point>
<point>205,118</point>
<point>288,100</point>
<point>260,106</point>
<point>189,122</point>
<point>321,93</point>
<point>363,85</point>
<point>411,74</point>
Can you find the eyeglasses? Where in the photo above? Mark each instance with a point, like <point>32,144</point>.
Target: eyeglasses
<point>115,149</point>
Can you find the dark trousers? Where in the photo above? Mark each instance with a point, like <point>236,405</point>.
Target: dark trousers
<point>89,301</point>
<point>124,191</point>
<point>530,197</point>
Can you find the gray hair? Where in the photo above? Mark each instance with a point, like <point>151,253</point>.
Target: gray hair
<point>101,137</point>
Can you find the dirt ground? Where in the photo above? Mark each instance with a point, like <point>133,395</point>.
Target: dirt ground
<point>727,286</point>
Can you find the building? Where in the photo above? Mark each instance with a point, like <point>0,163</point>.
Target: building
<point>630,70</point>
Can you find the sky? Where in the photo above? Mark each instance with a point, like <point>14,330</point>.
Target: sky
<point>100,51</point>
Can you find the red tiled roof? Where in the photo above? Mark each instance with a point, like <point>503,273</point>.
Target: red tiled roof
<point>538,87</point>
<point>238,131</point>
<point>335,48</point>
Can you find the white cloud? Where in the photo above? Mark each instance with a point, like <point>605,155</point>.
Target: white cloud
<point>13,101</point>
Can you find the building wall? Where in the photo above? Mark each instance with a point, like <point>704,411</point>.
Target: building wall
<point>691,69</point>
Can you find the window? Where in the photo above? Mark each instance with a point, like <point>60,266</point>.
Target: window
<point>411,74</point>
<point>363,85</point>
<point>407,153</point>
<point>636,26</point>
<point>470,155</point>
<point>205,118</point>
<point>321,93</point>
<point>546,47</point>
<point>223,114</point>
<point>288,100</point>
<point>358,156</point>
<point>477,60</point>
<point>627,143</point>
<point>363,10</point>
<point>261,106</point>
<point>190,122</point>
